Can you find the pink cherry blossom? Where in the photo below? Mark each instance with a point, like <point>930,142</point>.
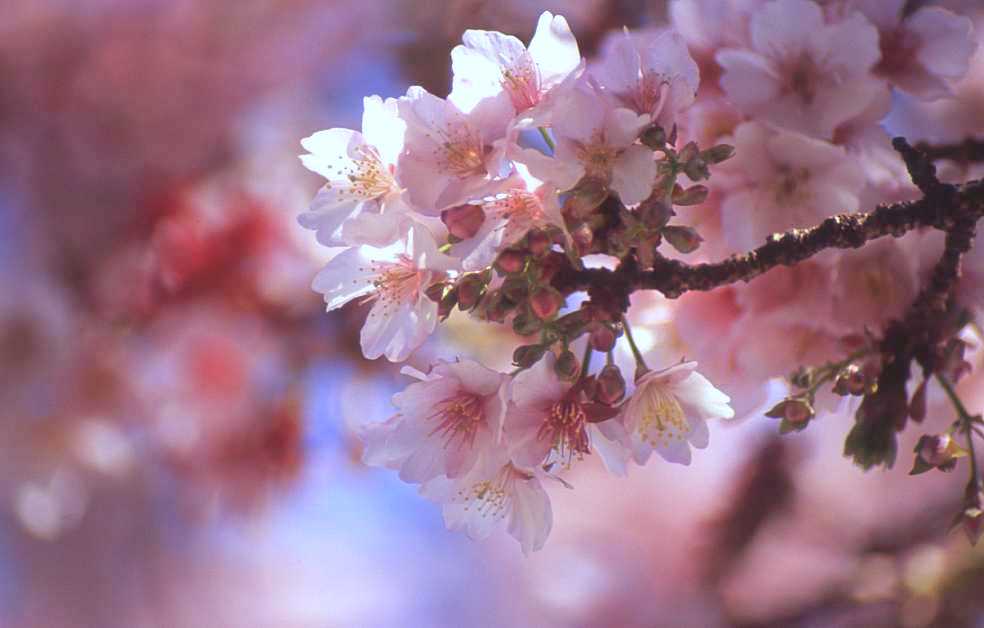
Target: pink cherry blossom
<point>491,63</point>
<point>362,182</point>
<point>548,423</point>
<point>800,72</point>
<point>395,278</point>
<point>509,216</point>
<point>924,52</point>
<point>444,422</point>
<point>595,139</point>
<point>785,180</point>
<point>651,74</point>
<point>451,156</point>
<point>668,413</point>
<point>493,491</point>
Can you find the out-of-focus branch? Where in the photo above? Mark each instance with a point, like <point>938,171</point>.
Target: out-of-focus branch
<point>968,151</point>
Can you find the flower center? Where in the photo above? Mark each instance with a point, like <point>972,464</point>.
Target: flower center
<point>462,152</point>
<point>367,176</point>
<point>788,189</point>
<point>458,418</point>
<point>662,418</point>
<point>598,159</point>
<point>396,283</point>
<point>801,79</point>
<point>564,428</point>
<point>492,498</point>
<point>521,81</point>
<point>650,94</point>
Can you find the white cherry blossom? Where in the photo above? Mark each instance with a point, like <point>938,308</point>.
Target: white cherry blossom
<point>489,63</point>
<point>494,491</point>
<point>394,278</point>
<point>668,413</point>
<point>362,200</point>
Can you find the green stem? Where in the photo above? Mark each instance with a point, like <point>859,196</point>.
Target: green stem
<point>967,422</point>
<point>586,359</point>
<point>632,345</point>
<point>546,138</point>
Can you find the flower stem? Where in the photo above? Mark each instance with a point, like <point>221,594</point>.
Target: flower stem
<point>546,138</point>
<point>632,345</point>
<point>967,423</point>
<point>586,360</point>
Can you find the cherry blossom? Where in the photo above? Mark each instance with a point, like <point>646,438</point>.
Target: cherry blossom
<point>509,216</point>
<point>923,52</point>
<point>549,423</point>
<point>493,491</point>
<point>595,139</point>
<point>489,63</point>
<point>444,422</point>
<point>800,72</point>
<point>394,278</point>
<point>362,182</point>
<point>785,180</point>
<point>451,156</point>
<point>653,75</point>
<point>668,413</point>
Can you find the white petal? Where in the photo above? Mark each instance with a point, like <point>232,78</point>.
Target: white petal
<point>532,516</point>
<point>634,174</point>
<point>347,276</point>
<point>554,48</point>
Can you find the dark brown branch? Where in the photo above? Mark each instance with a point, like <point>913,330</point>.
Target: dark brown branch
<point>845,231</point>
<point>968,151</point>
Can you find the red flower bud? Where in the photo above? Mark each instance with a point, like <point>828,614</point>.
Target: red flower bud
<point>510,261</point>
<point>539,242</point>
<point>545,302</point>
<point>602,338</point>
<point>609,386</point>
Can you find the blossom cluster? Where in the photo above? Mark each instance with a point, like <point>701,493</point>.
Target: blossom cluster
<point>485,201</point>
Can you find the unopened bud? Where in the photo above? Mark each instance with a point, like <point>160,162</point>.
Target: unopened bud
<point>586,197</point>
<point>545,302</point>
<point>470,290</point>
<point>436,292</point>
<point>539,242</point>
<point>971,517</point>
<point>852,380</point>
<point>688,153</point>
<point>717,154</point>
<point>795,410</point>
<point>683,239</point>
<point>694,195</point>
<point>654,137</point>
<point>510,261</point>
<point>494,307</point>
<point>526,356</point>
<point>696,169</point>
<point>446,304</point>
<point>936,451</point>
<point>463,221</point>
<point>550,264</point>
<point>567,367</point>
<point>610,385</point>
<point>602,338</point>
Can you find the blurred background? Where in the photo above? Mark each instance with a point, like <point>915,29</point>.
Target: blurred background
<point>176,408</point>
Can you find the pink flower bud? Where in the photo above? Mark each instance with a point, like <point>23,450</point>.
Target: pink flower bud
<point>470,290</point>
<point>539,242</point>
<point>610,385</point>
<point>545,302</point>
<point>463,221</point>
<point>602,338</point>
<point>510,261</point>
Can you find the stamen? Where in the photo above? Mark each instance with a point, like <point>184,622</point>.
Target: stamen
<point>564,427</point>
<point>662,419</point>
<point>460,417</point>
